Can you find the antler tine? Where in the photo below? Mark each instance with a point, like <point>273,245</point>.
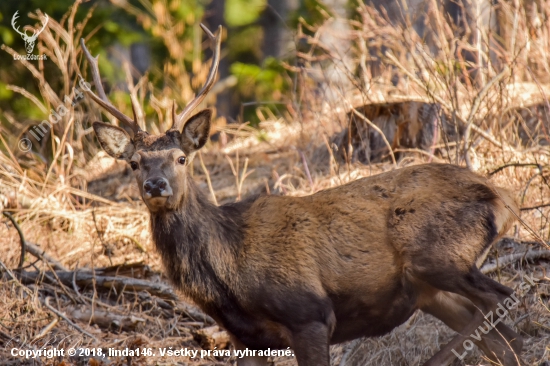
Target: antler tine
<point>180,119</point>
<point>13,23</point>
<point>102,98</point>
<point>44,23</point>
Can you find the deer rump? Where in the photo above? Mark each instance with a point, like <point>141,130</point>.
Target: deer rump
<point>358,258</point>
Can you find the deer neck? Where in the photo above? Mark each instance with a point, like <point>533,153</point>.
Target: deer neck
<point>199,244</point>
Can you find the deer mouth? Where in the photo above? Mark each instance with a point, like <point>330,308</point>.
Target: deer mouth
<point>156,203</point>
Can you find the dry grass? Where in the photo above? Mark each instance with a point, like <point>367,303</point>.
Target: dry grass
<point>107,225</point>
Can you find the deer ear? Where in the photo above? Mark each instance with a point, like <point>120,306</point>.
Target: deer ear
<point>114,140</point>
<point>196,130</point>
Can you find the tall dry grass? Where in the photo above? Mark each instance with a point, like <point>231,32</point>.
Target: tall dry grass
<point>48,184</point>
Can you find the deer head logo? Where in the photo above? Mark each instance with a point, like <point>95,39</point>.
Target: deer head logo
<point>29,40</point>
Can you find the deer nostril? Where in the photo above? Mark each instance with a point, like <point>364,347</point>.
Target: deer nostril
<point>157,187</point>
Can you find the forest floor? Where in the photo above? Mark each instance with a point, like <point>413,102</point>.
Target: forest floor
<point>93,280</point>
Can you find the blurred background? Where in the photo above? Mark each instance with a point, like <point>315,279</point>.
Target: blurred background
<point>163,39</point>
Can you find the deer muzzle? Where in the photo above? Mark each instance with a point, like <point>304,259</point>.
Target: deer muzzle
<point>156,187</point>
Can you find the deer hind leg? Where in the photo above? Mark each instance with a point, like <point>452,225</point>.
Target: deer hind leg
<point>484,296</point>
<point>458,313</point>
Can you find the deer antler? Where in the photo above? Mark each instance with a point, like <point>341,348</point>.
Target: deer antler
<point>24,34</point>
<point>102,98</point>
<point>13,19</point>
<point>44,23</point>
<point>179,120</point>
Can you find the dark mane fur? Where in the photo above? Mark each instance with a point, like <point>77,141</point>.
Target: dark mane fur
<point>193,237</point>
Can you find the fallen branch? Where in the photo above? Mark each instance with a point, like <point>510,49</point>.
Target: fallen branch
<point>14,278</point>
<point>105,319</point>
<point>493,265</point>
<point>46,329</point>
<point>86,278</point>
<point>61,315</point>
<point>535,207</point>
<point>41,254</point>
<point>21,237</point>
<point>32,248</point>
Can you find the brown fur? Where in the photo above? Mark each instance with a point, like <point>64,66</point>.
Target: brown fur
<point>351,261</point>
<point>408,124</point>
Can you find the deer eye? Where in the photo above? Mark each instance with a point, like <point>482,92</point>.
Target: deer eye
<point>181,160</point>
<point>134,165</point>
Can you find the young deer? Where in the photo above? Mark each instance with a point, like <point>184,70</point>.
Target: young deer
<point>306,272</point>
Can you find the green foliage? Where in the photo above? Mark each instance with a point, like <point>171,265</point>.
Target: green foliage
<point>266,84</point>
<point>260,82</point>
<point>112,25</point>
<point>4,92</point>
<point>28,109</point>
<point>148,21</point>
<point>312,11</point>
<point>243,12</point>
<point>244,45</point>
<point>6,34</point>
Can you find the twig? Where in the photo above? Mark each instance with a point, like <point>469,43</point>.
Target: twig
<point>136,243</point>
<point>46,329</point>
<point>61,315</point>
<point>63,288</point>
<point>441,101</point>
<point>15,279</point>
<point>332,160</point>
<point>473,111</point>
<point>377,129</point>
<point>522,222</point>
<point>350,351</point>
<point>520,319</point>
<point>244,174</point>
<point>510,258</point>
<point>500,168</point>
<point>41,254</point>
<point>29,96</point>
<point>278,180</point>
<point>21,238</point>
<point>75,287</point>
<point>306,168</point>
<point>208,181</point>
<point>535,207</point>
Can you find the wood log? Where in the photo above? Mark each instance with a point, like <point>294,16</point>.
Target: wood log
<point>86,278</point>
<point>494,264</point>
<point>104,319</point>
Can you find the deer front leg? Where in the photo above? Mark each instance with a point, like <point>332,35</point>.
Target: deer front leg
<point>247,360</point>
<point>311,342</point>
